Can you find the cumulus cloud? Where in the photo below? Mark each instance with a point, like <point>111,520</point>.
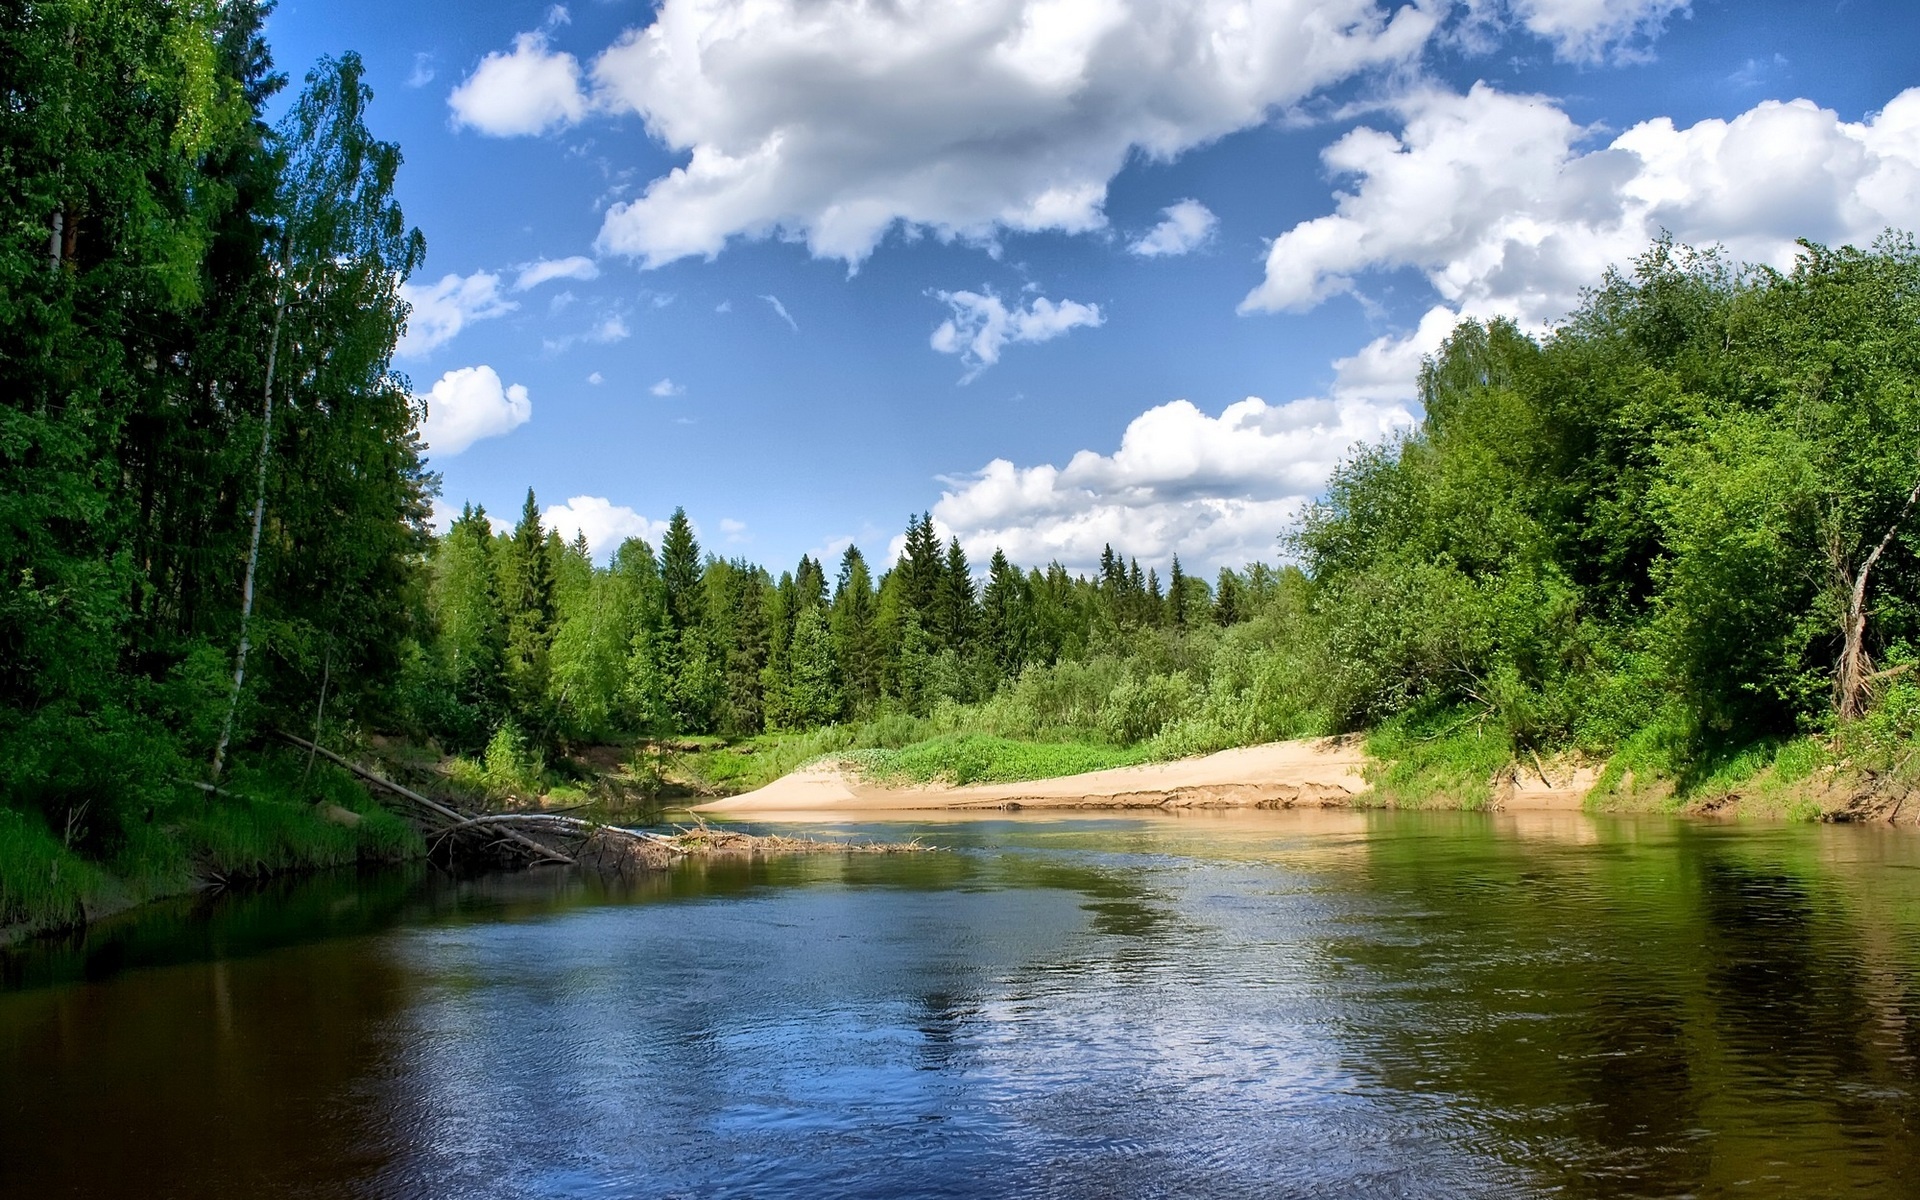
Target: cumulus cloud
<point>1591,30</point>
<point>835,121</point>
<point>1216,490</point>
<point>982,325</point>
<point>605,523</point>
<point>735,531</point>
<point>1187,227</point>
<point>525,91</point>
<point>546,270</point>
<point>469,404</point>
<point>666,388</point>
<point>441,310</point>
<point>1491,197</point>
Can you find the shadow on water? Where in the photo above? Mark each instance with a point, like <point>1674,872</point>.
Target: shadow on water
<point>1388,1004</point>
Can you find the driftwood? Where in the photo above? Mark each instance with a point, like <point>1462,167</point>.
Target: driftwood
<point>555,837</point>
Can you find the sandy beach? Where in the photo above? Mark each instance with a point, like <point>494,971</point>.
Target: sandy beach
<point>1311,773</point>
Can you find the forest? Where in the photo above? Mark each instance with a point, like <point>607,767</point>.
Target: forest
<point>1675,532</point>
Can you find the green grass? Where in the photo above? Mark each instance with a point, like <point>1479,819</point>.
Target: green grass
<point>979,758</point>
<point>270,820</point>
<point>900,749</point>
<point>1437,759</point>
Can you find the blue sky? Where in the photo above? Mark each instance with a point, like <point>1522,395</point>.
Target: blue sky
<point>1065,272</point>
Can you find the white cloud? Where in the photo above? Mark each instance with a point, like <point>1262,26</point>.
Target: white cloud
<point>781,310</point>
<point>526,91</point>
<point>545,270</point>
<point>982,325</point>
<point>423,72</point>
<point>667,387</point>
<point>442,310</point>
<point>605,523</point>
<point>596,379</point>
<point>725,306</point>
<point>1591,30</point>
<point>1187,227</point>
<point>1214,490</point>
<point>834,121</point>
<point>734,531</point>
<point>611,328</point>
<point>469,404</point>
<point>1489,195</point>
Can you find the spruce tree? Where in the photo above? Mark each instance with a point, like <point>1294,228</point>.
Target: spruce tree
<point>680,571</point>
<point>1177,594</point>
<point>1226,603</point>
<point>954,606</point>
<point>1004,616</point>
<point>851,623</point>
<point>527,595</point>
<point>920,567</point>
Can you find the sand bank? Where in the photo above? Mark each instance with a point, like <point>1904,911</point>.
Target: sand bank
<point>1311,773</point>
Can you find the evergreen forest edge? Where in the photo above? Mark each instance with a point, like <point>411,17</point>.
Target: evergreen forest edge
<point>1674,534</point>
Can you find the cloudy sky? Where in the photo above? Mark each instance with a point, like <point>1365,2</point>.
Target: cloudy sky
<point>1066,272</point>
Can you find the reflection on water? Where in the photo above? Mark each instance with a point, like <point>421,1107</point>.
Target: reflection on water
<point>1260,1005</point>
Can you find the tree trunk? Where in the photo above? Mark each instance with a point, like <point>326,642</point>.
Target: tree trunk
<point>1854,672</point>
<point>253,549</point>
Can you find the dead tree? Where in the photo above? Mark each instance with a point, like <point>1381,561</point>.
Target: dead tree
<point>1854,676</point>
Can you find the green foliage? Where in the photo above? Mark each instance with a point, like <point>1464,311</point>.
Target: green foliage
<point>1438,754</point>
<point>163,241</point>
<point>1641,533</point>
<point>977,758</point>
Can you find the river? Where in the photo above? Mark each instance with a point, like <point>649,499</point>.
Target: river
<point>1272,1005</point>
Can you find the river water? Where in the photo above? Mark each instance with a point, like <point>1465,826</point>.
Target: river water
<point>1293,1004</point>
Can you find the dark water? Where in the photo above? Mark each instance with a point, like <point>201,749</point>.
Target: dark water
<point>1298,1005</point>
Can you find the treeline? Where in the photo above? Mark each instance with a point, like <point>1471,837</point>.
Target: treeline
<point>1681,524</point>
<point>212,504</point>
<point>532,638</point>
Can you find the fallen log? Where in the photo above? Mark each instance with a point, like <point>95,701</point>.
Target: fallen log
<point>539,852</point>
<point>626,847</point>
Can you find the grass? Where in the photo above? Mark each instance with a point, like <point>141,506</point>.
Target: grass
<point>1445,758</point>
<point>899,749</point>
<point>273,819</point>
<point>979,758</point>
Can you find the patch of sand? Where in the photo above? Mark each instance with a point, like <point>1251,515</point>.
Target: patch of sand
<point>1310,773</point>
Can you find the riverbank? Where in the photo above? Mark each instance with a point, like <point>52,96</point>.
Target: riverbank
<point>1338,773</point>
<point>263,823</point>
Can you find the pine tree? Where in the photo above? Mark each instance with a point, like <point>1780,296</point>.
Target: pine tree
<point>852,625</point>
<point>776,676</point>
<point>920,568</point>
<point>1226,604</point>
<point>680,571</point>
<point>527,600</point>
<point>954,603</point>
<point>1005,617</point>
<point>1177,594</point>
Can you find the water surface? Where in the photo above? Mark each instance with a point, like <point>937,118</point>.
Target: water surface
<point>1290,1004</point>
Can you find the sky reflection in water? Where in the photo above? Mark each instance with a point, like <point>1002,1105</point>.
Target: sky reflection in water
<point>1294,1004</point>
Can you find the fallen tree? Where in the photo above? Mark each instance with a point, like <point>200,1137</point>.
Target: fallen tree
<point>557,838</point>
